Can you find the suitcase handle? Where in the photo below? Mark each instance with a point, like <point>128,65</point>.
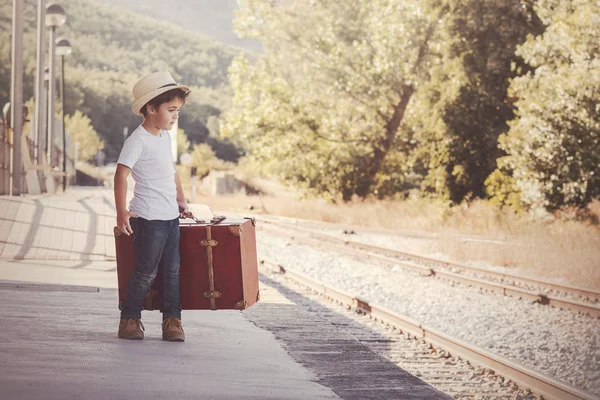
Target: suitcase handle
<point>213,221</point>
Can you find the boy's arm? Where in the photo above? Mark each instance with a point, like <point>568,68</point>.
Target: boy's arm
<point>123,214</point>
<point>184,211</point>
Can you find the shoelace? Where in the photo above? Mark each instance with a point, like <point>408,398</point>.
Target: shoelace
<point>171,321</point>
<point>133,320</point>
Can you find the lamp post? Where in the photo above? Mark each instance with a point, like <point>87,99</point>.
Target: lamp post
<point>55,17</point>
<point>43,138</point>
<point>38,121</point>
<point>63,48</point>
<point>16,97</point>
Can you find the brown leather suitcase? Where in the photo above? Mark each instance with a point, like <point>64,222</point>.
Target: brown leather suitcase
<point>218,267</point>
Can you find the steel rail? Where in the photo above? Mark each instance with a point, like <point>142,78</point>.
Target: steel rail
<point>297,221</point>
<point>582,292</point>
<point>513,291</point>
<point>538,383</point>
<point>570,290</point>
<point>384,231</point>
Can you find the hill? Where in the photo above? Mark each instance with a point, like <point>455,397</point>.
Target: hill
<point>213,18</point>
<point>112,48</point>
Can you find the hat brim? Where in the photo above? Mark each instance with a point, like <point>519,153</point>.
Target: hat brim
<point>141,102</point>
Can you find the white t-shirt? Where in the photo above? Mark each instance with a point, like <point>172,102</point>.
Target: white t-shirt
<point>151,163</point>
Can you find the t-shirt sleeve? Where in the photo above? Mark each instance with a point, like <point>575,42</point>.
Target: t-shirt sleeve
<point>131,152</point>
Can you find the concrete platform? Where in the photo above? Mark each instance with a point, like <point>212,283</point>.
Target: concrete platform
<point>60,343</point>
<point>59,318</point>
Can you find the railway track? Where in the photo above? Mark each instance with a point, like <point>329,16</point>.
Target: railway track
<point>312,224</point>
<point>449,364</point>
<point>545,293</point>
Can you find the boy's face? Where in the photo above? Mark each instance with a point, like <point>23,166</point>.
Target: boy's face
<point>166,115</point>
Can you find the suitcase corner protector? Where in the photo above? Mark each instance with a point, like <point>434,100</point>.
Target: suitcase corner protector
<point>241,305</point>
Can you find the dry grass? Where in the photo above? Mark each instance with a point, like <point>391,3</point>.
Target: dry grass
<point>564,250</point>
<point>558,249</point>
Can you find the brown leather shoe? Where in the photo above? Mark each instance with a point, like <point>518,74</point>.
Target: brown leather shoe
<point>131,328</point>
<point>172,330</point>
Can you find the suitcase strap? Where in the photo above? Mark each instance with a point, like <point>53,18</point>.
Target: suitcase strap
<point>211,293</point>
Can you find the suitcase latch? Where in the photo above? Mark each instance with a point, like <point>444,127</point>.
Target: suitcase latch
<point>209,242</point>
<point>212,295</point>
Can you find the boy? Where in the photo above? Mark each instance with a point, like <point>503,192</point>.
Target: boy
<point>158,203</point>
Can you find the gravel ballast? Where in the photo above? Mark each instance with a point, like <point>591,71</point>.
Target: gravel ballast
<point>558,343</point>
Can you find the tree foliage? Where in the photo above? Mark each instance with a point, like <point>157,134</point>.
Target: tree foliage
<point>553,150</point>
<point>380,97</point>
<point>205,159</point>
<point>463,108</point>
<point>376,97</point>
<point>323,108</point>
<point>80,128</point>
<point>183,144</point>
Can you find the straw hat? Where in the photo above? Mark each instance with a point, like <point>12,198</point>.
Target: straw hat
<point>151,86</point>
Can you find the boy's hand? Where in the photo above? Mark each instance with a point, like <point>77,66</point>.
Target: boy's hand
<point>184,210</point>
<point>123,221</point>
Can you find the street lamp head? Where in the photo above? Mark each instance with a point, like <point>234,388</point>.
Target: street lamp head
<point>63,47</point>
<point>55,15</point>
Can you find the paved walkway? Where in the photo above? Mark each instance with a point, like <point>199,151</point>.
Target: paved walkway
<point>76,225</point>
<point>58,307</point>
<point>59,342</point>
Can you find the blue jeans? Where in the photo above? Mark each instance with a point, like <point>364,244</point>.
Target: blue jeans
<point>156,246</point>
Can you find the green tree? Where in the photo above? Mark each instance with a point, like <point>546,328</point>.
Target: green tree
<point>205,160</point>
<point>223,147</point>
<point>323,108</point>
<point>183,144</point>
<point>459,113</point>
<point>80,128</point>
<point>553,150</point>
<point>376,97</point>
